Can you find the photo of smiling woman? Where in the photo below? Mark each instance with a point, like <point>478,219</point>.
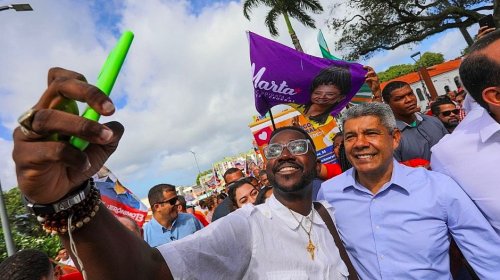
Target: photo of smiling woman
<point>328,88</point>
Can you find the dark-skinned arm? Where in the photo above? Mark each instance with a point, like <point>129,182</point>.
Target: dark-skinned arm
<point>109,251</point>
<point>47,170</point>
<point>372,80</point>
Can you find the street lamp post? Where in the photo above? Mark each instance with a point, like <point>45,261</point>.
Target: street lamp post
<point>425,79</point>
<point>17,7</point>
<point>420,75</point>
<point>197,166</point>
<point>9,243</point>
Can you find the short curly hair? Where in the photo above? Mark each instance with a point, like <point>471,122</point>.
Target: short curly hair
<point>27,264</point>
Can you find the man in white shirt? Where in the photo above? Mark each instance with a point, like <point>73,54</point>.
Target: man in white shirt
<point>250,243</point>
<point>471,155</point>
<point>283,238</point>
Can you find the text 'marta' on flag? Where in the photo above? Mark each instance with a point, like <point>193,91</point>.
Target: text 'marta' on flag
<point>282,75</point>
<point>118,199</point>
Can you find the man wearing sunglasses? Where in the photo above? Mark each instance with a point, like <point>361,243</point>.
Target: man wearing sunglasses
<point>167,223</point>
<point>447,112</point>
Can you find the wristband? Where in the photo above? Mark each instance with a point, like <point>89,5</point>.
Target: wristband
<point>65,203</point>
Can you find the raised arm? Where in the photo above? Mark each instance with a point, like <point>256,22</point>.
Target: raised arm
<point>483,30</point>
<point>372,80</point>
<point>49,170</point>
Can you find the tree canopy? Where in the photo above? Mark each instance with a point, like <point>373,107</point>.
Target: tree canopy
<point>296,9</point>
<point>203,173</point>
<point>368,26</point>
<point>427,59</point>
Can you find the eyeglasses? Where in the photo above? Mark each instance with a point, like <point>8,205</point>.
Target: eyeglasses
<point>447,113</point>
<point>171,201</point>
<point>295,147</point>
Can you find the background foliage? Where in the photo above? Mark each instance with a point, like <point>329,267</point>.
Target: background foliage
<point>427,59</point>
<point>369,26</point>
<point>26,231</point>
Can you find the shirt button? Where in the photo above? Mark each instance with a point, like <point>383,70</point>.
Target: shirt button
<point>377,227</point>
<point>381,257</point>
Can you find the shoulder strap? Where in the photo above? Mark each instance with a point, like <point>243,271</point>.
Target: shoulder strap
<point>333,231</point>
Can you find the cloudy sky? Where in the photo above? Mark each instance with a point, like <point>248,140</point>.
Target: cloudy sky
<point>185,86</point>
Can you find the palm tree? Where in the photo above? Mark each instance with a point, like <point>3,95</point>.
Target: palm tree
<point>288,8</point>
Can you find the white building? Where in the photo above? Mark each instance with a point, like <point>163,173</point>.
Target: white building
<point>444,76</point>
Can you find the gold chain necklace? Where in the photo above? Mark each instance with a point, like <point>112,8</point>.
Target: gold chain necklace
<point>310,245</point>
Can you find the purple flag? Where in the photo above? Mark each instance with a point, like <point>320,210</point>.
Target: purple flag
<point>282,75</point>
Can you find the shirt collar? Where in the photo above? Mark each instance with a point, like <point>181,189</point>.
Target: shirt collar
<point>157,226</point>
<point>402,125</point>
<point>490,127</point>
<point>283,213</point>
<point>399,179</point>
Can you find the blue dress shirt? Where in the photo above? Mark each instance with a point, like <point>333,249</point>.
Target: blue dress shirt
<point>156,235</point>
<point>402,231</point>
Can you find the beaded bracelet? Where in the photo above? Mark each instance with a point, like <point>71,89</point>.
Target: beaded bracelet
<point>80,214</point>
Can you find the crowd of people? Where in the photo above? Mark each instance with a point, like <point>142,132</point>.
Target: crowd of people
<point>413,195</point>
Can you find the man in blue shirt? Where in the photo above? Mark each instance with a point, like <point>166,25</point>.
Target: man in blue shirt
<point>167,224</point>
<point>395,220</point>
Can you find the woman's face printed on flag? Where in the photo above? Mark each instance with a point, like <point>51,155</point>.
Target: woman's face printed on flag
<point>326,95</point>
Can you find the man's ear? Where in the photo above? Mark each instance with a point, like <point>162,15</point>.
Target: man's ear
<point>155,207</point>
<point>491,95</point>
<point>396,136</point>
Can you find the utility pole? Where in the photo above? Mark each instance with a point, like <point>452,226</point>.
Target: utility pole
<point>9,243</point>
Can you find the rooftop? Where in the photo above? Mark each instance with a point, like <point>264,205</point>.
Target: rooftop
<point>433,71</point>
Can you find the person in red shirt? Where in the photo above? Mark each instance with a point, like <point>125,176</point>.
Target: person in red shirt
<point>190,210</point>
<point>182,208</point>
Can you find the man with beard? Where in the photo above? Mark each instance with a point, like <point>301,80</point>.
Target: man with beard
<point>447,112</point>
<point>419,132</point>
<point>283,238</point>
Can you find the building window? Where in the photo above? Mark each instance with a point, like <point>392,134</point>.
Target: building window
<point>420,95</point>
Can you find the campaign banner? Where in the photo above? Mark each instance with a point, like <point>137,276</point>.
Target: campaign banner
<point>321,136</point>
<point>282,75</point>
<point>121,209</point>
<point>119,199</point>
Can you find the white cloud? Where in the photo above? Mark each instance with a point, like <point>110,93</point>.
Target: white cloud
<point>7,176</point>
<point>450,44</point>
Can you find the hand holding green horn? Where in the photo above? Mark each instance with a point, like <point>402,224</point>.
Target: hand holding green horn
<point>106,80</point>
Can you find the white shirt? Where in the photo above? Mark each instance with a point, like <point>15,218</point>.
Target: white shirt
<point>69,262</point>
<point>471,156</point>
<point>257,242</point>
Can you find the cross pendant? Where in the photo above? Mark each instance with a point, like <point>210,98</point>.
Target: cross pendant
<point>310,248</point>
